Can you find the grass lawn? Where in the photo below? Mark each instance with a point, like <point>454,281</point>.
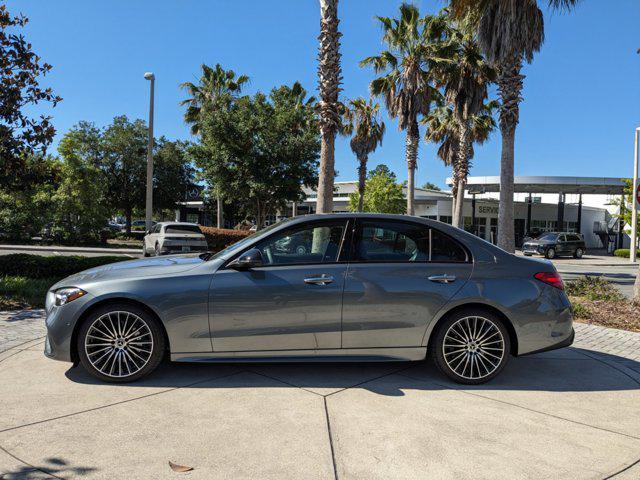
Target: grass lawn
<point>23,292</point>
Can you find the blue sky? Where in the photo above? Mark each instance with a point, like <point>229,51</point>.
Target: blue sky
<point>581,96</point>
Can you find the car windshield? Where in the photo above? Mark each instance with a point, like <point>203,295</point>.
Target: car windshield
<point>549,237</point>
<point>243,242</point>
<point>182,229</point>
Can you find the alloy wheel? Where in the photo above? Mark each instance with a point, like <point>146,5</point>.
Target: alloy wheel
<point>119,344</point>
<point>473,347</point>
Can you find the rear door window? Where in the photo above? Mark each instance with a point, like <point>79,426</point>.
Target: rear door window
<point>182,229</point>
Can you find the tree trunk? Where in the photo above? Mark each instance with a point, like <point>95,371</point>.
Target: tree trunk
<point>413,139</point>
<point>460,170</point>
<point>362,177</point>
<point>509,87</point>
<point>329,77</point>
<point>636,289</point>
<point>127,216</point>
<point>325,180</point>
<point>219,212</point>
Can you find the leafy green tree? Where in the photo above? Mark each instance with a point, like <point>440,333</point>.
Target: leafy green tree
<point>216,90</point>
<point>382,169</point>
<point>415,46</point>
<point>625,205</point>
<point>261,151</point>
<point>382,195</point>
<point>20,134</point>
<point>26,211</point>
<point>363,121</point>
<point>431,186</point>
<point>173,173</point>
<point>508,32</point>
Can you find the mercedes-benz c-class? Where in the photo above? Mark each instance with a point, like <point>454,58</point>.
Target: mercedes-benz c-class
<point>366,287</point>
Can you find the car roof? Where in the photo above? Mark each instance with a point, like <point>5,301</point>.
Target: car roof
<point>179,223</point>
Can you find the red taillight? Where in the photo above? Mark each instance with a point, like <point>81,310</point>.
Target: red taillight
<point>550,278</point>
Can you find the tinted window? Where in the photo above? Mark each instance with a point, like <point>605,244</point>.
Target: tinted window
<point>305,245</point>
<point>573,238</point>
<point>182,229</point>
<point>392,242</point>
<point>552,237</point>
<point>445,248</point>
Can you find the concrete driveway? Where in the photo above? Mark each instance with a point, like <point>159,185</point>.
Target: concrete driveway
<point>569,414</point>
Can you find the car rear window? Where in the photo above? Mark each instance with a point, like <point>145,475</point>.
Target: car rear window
<point>182,229</point>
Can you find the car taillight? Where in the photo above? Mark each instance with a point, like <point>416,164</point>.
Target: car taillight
<point>550,278</point>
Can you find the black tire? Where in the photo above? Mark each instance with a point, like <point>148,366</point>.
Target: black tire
<point>157,250</point>
<point>144,251</point>
<point>527,254</point>
<point>578,253</point>
<point>438,350</point>
<point>550,253</point>
<point>155,332</point>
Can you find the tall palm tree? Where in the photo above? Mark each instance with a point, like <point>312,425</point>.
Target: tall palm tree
<point>414,44</point>
<point>215,84</point>
<point>363,122</point>
<point>329,79</point>
<point>508,32</point>
<point>443,127</point>
<point>465,83</point>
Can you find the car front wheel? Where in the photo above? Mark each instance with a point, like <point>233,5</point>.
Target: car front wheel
<point>471,347</point>
<point>550,253</point>
<point>120,343</point>
<point>578,253</point>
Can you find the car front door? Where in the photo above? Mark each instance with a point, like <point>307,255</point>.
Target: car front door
<point>563,247</point>
<point>400,275</point>
<point>293,301</point>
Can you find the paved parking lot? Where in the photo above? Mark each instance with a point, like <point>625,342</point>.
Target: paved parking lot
<point>568,414</point>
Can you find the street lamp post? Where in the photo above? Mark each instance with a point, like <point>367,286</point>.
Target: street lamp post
<point>634,200</point>
<point>149,197</point>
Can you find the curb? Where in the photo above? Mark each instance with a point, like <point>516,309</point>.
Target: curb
<point>53,248</point>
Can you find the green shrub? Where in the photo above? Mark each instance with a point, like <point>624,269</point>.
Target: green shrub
<point>21,291</point>
<point>580,310</point>
<point>593,288</point>
<point>37,266</point>
<point>623,252</point>
<point>219,238</point>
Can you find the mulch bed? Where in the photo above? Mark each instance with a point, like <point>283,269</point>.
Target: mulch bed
<point>620,314</point>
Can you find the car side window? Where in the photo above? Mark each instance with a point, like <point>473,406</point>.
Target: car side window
<point>309,244</point>
<point>391,242</point>
<point>562,238</point>
<point>446,249</point>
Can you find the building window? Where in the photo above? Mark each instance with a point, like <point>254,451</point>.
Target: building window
<point>446,219</point>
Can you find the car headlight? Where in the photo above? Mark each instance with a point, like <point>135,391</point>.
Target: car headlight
<point>66,295</point>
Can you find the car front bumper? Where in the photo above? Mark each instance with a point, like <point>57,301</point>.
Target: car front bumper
<point>60,323</point>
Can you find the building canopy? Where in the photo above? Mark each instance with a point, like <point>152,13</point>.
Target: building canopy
<point>585,185</point>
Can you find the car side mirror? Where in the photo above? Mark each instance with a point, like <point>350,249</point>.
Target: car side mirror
<point>250,259</point>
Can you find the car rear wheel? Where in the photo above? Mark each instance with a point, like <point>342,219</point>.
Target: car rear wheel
<point>157,250</point>
<point>578,253</point>
<point>120,343</point>
<point>550,253</point>
<point>471,347</point>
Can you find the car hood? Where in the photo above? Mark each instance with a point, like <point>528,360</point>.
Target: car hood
<point>142,267</point>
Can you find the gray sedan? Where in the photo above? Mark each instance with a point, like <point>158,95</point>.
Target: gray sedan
<point>366,287</point>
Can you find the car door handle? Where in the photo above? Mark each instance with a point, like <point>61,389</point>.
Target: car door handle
<point>444,278</point>
<point>321,280</point>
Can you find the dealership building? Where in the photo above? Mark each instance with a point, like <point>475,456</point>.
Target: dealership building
<point>573,204</point>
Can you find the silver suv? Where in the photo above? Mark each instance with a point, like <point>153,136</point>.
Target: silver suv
<point>173,237</point>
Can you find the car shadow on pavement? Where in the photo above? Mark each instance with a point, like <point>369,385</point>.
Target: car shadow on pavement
<point>54,467</point>
<point>567,370</point>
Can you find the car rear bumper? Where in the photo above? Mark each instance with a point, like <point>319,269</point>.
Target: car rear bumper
<point>561,344</point>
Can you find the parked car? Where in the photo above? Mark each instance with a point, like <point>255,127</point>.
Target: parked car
<point>173,237</point>
<point>140,225</point>
<point>373,288</point>
<point>556,244</point>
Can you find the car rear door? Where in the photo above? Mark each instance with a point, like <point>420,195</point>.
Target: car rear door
<point>292,302</point>
<point>400,275</point>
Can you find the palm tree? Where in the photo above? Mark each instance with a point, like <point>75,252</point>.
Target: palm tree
<point>465,84</point>
<point>329,79</point>
<point>415,44</point>
<point>508,32</point>
<point>362,120</point>
<point>215,84</point>
<point>444,128</point>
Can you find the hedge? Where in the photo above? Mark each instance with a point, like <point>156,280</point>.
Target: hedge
<point>37,266</point>
<point>623,252</point>
<point>219,238</point>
